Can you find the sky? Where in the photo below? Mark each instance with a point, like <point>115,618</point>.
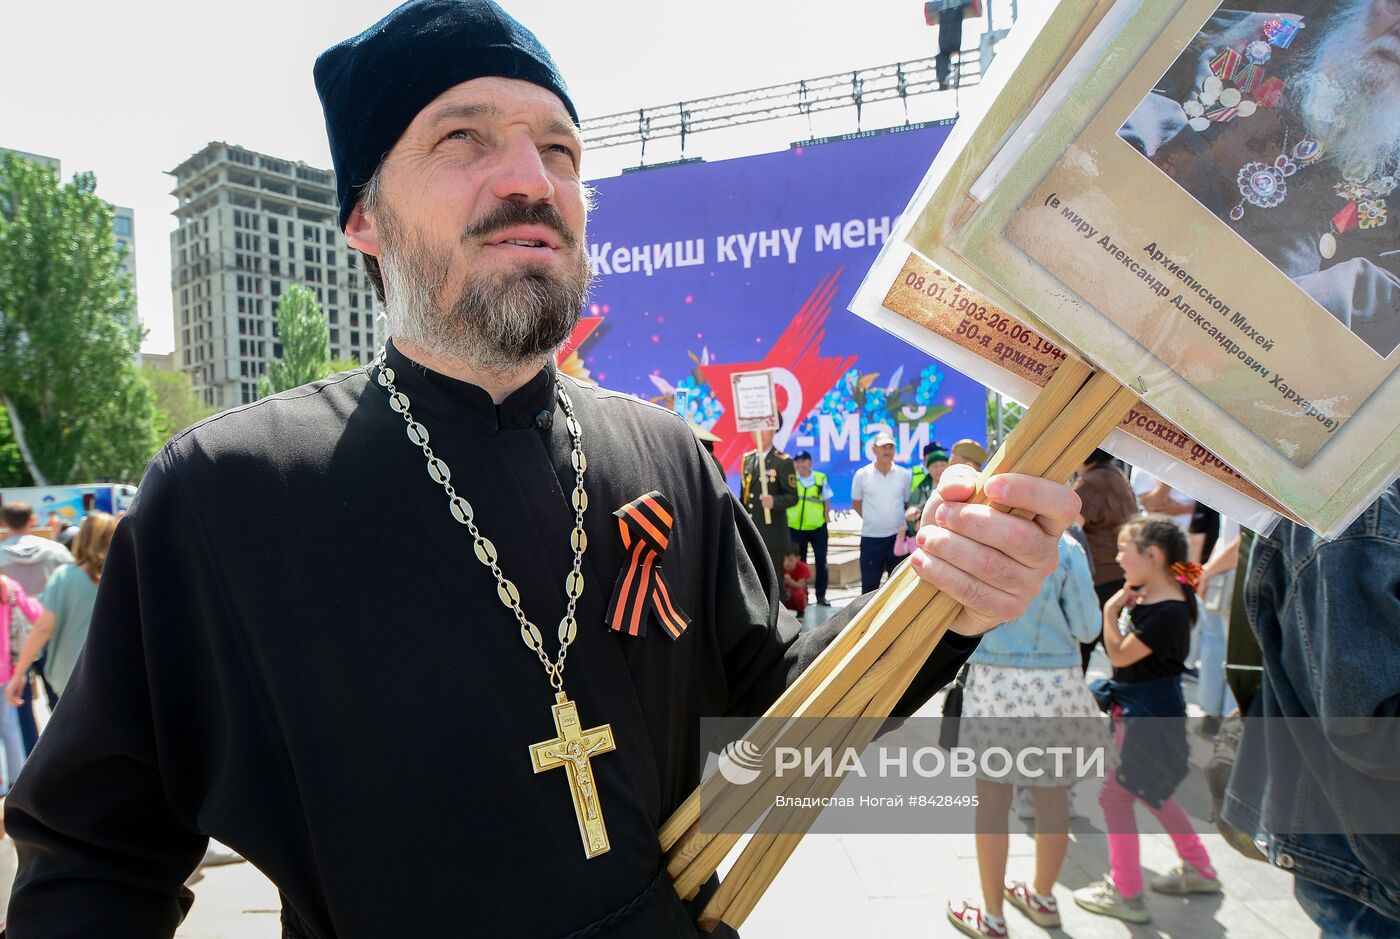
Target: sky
<point>128,91</point>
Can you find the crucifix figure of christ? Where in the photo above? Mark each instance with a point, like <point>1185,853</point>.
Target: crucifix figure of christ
<point>574,749</point>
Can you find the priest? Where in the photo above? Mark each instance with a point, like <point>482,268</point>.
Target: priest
<point>463,700</point>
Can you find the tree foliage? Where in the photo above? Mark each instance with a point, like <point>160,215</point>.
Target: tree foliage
<point>177,406</point>
<point>13,473</point>
<point>68,332</point>
<point>1010,416</point>
<point>336,366</point>
<point>306,346</point>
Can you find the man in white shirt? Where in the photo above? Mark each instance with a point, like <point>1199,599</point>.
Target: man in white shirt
<point>1156,496</point>
<point>1216,589</point>
<point>879,494</point>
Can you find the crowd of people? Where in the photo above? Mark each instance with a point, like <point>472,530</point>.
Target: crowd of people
<point>888,498</point>
<point>1130,580</point>
<point>1153,579</point>
<point>47,594</point>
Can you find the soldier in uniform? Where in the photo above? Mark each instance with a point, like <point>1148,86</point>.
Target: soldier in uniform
<point>782,495</point>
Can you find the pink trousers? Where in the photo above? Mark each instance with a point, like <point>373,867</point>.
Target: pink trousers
<point>1118,812</point>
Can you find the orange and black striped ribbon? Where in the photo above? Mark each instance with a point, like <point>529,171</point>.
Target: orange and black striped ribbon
<point>641,588</point>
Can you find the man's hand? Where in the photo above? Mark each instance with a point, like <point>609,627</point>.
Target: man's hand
<point>765,501</point>
<point>990,561</point>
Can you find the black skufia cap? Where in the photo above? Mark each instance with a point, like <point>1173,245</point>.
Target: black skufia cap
<point>373,85</point>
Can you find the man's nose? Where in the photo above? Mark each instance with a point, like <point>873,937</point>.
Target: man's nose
<point>521,175</point>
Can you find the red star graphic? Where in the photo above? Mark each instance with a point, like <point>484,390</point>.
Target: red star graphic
<point>796,350</point>
<point>582,330</point>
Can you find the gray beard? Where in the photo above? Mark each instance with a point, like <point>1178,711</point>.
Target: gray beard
<point>1345,104</point>
<point>500,323</point>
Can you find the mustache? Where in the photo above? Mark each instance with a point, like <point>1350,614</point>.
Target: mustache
<point>511,214</point>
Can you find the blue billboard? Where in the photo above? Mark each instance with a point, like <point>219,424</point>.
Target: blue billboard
<point>706,269</point>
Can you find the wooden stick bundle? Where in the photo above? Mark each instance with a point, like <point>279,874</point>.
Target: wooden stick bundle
<point>866,669</point>
<point>822,689</point>
<point>765,853</point>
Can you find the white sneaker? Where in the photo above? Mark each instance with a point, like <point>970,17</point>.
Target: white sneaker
<point>1184,879</point>
<point>1104,899</point>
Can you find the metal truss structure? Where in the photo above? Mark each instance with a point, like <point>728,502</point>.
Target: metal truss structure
<point>900,80</point>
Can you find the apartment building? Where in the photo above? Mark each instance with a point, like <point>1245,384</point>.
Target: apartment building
<point>249,225</point>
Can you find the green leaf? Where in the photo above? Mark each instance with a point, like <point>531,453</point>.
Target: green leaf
<point>69,333</point>
<point>306,346</point>
<point>933,414</point>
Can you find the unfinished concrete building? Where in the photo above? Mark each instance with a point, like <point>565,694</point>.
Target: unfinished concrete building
<point>251,225</point>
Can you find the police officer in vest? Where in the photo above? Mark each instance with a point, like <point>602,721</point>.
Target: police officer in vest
<point>807,519</point>
<point>782,495</point>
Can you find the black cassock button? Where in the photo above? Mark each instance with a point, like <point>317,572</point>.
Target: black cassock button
<point>544,420</point>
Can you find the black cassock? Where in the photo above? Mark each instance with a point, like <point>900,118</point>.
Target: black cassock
<point>295,651</point>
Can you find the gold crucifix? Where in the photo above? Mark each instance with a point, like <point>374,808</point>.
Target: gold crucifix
<point>573,749</point>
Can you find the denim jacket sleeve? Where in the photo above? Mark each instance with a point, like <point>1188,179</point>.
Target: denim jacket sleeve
<point>1336,608</point>
<point>1077,598</point>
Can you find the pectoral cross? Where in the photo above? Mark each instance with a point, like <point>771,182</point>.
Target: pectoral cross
<point>573,749</point>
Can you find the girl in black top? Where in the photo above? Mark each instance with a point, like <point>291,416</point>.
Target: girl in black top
<point>1147,624</point>
<point>1146,632</point>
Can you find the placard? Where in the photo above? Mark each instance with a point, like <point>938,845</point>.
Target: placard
<point>755,403</point>
<point>1117,222</point>
<point>1210,252</point>
<point>961,316</point>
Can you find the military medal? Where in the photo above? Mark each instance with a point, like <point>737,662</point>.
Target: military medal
<point>1366,208</point>
<point>1264,185</point>
<point>1236,85</point>
<point>573,748</point>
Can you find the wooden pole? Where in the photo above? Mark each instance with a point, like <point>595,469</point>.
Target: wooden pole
<point>831,676</point>
<point>762,474</point>
<point>733,809</point>
<point>684,819</point>
<point>868,667</point>
<point>765,854</point>
<point>786,827</point>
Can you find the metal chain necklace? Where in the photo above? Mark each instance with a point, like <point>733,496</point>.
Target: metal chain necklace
<point>574,746</point>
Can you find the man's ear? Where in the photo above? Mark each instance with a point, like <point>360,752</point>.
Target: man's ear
<point>360,231</point>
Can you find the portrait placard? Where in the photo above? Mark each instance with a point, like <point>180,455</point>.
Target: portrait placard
<point>1225,280</point>
<point>755,404</point>
<point>1181,208</point>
